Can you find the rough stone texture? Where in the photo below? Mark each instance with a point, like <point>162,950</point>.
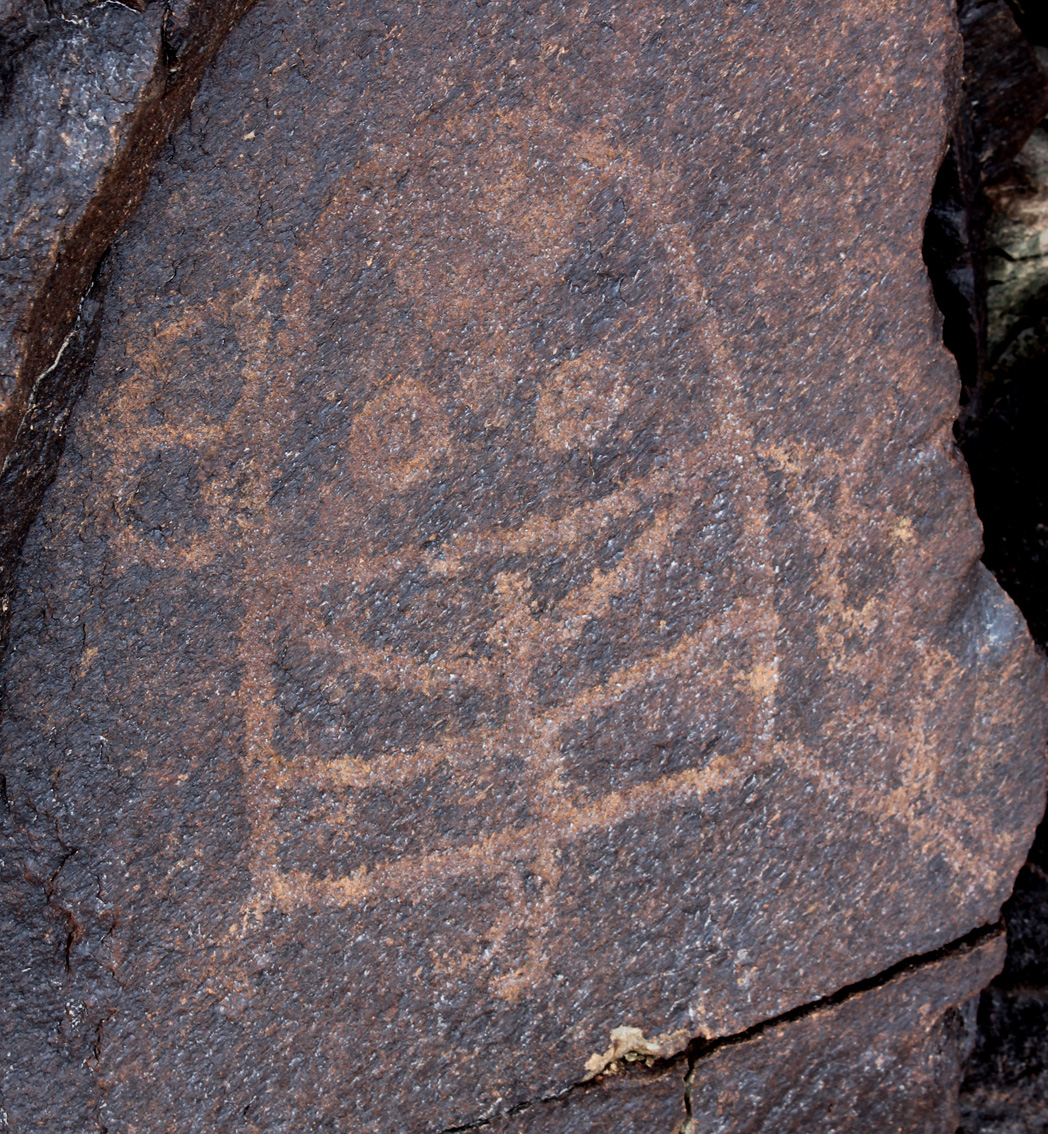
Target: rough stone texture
<point>885,1059</point>
<point>510,579</point>
<point>1005,1089</point>
<point>1005,450</point>
<point>881,1058</point>
<point>630,1102</point>
<point>1003,97</point>
<point>1017,253</point>
<point>1004,91</point>
<point>88,93</point>
<point>1006,1086</point>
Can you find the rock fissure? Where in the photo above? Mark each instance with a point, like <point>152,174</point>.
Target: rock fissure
<point>73,927</point>
<point>701,1048</point>
<point>692,1054</point>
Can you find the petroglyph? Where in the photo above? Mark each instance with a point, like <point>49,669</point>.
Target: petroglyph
<point>514,551</point>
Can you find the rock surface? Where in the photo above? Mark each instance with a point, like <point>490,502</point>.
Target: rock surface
<point>1006,1086</point>
<point>1004,92</point>
<point>1005,1089</point>
<point>630,1102</point>
<point>1017,253</point>
<point>510,599</point>
<point>89,91</point>
<point>1002,98</point>
<point>885,1058</point>
<point>880,1058</point>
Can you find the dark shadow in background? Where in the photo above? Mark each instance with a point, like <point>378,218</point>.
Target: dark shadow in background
<point>1003,431</point>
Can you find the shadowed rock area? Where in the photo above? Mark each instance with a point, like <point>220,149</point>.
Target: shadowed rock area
<point>510,605</point>
<point>1006,1084</point>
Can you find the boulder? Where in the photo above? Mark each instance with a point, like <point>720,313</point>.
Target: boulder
<point>510,607</point>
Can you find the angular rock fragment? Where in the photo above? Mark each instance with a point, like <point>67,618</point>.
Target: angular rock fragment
<point>1017,256</point>
<point>1006,1082</point>
<point>1005,93</point>
<point>510,592</point>
<point>1003,97</point>
<point>887,1058</point>
<point>1004,448</point>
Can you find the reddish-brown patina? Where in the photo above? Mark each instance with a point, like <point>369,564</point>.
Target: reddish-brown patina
<point>511,600</point>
